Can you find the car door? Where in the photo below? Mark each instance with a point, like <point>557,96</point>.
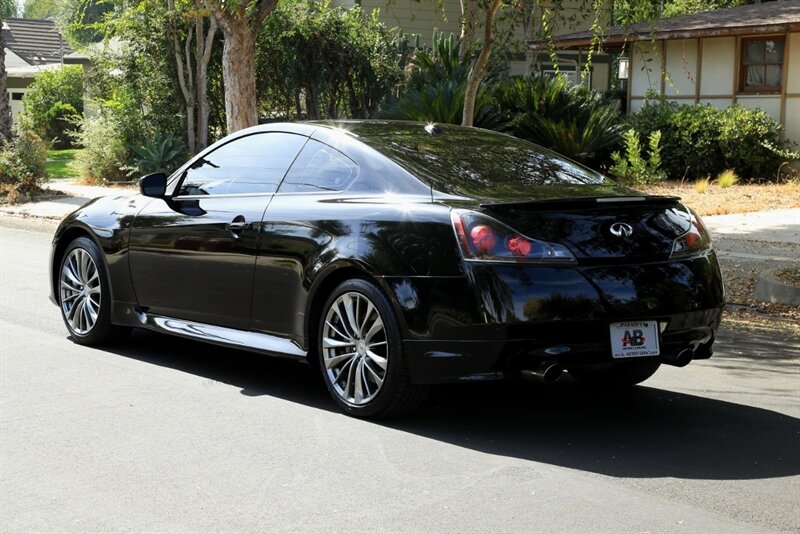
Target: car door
<point>192,255</point>
<point>301,221</point>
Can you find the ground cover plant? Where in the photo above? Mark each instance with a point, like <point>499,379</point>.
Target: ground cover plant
<point>59,163</point>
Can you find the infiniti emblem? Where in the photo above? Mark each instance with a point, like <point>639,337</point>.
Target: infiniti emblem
<point>621,229</point>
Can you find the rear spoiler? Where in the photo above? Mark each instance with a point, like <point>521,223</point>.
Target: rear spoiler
<point>585,202</point>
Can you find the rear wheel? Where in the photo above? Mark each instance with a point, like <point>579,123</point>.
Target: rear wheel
<point>84,296</point>
<point>361,355</point>
<point>620,374</point>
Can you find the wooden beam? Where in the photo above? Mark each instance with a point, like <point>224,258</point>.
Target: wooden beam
<point>787,46</point>
<point>698,78</point>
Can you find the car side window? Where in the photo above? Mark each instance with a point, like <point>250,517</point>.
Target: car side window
<point>319,168</point>
<point>252,164</point>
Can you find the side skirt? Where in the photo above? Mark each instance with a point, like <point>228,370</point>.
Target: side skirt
<point>220,335</point>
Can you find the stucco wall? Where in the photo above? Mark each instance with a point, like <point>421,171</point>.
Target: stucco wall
<point>682,68</point>
<point>675,68</point>
<point>719,56</point>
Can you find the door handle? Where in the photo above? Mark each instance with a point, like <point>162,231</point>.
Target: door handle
<point>237,225</point>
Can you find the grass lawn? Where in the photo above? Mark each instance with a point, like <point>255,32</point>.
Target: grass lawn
<point>59,163</point>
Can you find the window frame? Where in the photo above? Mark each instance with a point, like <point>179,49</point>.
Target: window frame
<point>323,146</point>
<point>182,173</point>
<point>743,65</point>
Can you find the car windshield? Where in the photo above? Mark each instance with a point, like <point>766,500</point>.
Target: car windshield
<point>474,162</point>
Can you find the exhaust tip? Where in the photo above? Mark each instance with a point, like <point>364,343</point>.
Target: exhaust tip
<point>547,372</point>
<point>683,358</point>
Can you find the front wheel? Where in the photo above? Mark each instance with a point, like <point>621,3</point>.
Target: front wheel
<point>361,355</point>
<point>84,295</point>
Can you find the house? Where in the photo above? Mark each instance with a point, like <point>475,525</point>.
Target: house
<point>421,18</point>
<point>32,46</point>
<point>747,55</point>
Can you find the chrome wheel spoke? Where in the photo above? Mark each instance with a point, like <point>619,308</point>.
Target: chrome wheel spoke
<point>380,361</point>
<point>378,379</point>
<point>336,360</point>
<point>352,323</point>
<point>358,394</point>
<point>330,343</point>
<point>377,326</point>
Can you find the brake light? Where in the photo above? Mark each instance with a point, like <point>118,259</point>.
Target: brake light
<point>482,238</point>
<point>696,239</point>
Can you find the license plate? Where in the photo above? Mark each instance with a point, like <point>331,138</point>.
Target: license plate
<point>634,339</point>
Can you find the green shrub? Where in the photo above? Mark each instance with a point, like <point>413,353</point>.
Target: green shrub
<point>61,119</point>
<point>106,154</point>
<point>635,169</point>
<point>569,119</point>
<point>700,140</point>
<point>53,99</point>
<point>22,165</point>
<point>316,60</point>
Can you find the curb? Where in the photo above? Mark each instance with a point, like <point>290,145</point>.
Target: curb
<point>770,289</point>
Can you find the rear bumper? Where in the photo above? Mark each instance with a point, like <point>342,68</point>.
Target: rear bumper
<point>569,344</point>
<point>504,317</point>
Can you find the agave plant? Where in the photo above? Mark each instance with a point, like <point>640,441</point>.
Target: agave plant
<point>161,152</point>
<point>569,119</point>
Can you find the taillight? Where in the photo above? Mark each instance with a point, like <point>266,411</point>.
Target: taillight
<point>697,239</point>
<point>483,238</point>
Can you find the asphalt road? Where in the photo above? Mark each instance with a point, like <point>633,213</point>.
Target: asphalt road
<point>162,434</point>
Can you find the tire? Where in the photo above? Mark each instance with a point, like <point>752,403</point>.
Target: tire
<point>361,355</point>
<point>84,297</point>
<point>620,374</point>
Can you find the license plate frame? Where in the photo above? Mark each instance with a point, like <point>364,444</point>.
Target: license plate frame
<point>635,339</point>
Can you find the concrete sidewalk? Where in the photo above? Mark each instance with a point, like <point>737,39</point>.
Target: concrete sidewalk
<point>59,205</point>
<point>776,226</point>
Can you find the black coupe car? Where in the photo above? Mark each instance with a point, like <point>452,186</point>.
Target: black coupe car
<point>396,255</point>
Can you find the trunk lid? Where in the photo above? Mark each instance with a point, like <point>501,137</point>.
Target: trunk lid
<point>600,230</point>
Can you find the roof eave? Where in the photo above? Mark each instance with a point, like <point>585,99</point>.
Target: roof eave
<point>620,39</point>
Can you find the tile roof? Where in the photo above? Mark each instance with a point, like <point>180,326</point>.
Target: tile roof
<point>767,17</point>
<point>36,41</point>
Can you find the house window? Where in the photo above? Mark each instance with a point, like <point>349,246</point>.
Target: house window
<point>571,75</point>
<point>17,96</point>
<point>762,64</point>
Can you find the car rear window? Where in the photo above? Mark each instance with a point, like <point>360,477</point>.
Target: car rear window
<point>476,162</point>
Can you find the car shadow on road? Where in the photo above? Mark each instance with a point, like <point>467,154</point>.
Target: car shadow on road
<point>643,432</point>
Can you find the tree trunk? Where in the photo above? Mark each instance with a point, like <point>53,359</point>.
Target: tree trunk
<point>469,19</point>
<point>186,85</point>
<point>240,20</point>
<point>478,68</point>
<point>238,77</point>
<point>5,110</point>
<point>203,57</point>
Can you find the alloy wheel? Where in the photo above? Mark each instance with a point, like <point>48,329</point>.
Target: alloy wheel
<point>355,348</point>
<point>80,291</point>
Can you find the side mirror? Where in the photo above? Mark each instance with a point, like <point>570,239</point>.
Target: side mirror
<point>153,185</point>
